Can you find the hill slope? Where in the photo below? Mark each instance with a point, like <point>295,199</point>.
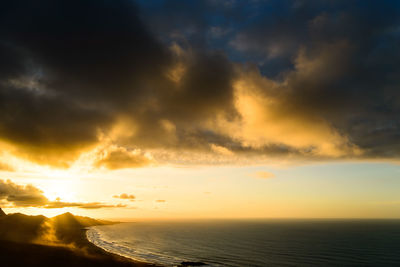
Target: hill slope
<point>62,229</point>
<point>58,241</point>
<point>21,228</point>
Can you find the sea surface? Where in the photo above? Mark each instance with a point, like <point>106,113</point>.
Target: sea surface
<point>255,243</point>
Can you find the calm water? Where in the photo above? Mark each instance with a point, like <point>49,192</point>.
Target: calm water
<point>256,243</point>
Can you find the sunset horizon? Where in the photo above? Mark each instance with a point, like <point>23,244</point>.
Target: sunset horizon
<point>224,123</point>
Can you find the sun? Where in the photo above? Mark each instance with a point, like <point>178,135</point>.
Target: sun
<point>59,184</point>
<point>59,189</point>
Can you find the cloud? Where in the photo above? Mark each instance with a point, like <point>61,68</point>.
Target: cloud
<point>263,175</point>
<point>120,157</point>
<point>88,205</point>
<point>31,196</point>
<point>335,70</point>
<point>54,76</point>
<point>311,81</point>
<point>6,167</point>
<point>125,196</point>
<point>161,201</point>
<point>266,118</point>
<point>22,196</point>
<point>221,150</point>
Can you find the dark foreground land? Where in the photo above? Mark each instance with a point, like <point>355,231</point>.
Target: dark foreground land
<point>59,241</point>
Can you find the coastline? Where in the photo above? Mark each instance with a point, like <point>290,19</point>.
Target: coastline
<point>84,253</point>
<point>30,254</point>
<point>59,241</point>
<point>101,251</point>
<point>96,241</point>
<point>35,240</point>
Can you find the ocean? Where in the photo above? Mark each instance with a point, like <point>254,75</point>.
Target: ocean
<point>256,242</point>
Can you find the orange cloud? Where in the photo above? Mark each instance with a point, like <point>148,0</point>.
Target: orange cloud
<point>125,196</point>
<point>30,196</point>
<point>6,167</point>
<point>263,175</point>
<point>120,157</point>
<point>82,205</point>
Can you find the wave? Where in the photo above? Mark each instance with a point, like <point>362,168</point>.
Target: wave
<point>125,249</point>
<point>254,243</point>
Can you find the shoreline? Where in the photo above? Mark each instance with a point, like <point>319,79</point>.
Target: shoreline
<point>140,261</point>
<point>32,254</point>
<point>59,241</point>
<point>116,255</point>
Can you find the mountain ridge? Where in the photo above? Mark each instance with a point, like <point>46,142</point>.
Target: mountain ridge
<point>61,229</point>
<point>57,241</point>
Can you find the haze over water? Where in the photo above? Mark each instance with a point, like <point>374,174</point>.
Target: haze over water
<point>256,243</point>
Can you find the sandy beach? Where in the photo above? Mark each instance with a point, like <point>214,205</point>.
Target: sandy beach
<point>25,254</point>
<point>28,241</point>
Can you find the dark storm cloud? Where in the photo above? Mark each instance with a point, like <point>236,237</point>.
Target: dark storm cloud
<point>353,83</point>
<point>163,76</point>
<point>31,196</point>
<point>69,69</point>
<point>67,58</point>
<point>337,59</point>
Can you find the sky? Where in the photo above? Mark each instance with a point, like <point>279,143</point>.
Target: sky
<point>141,109</point>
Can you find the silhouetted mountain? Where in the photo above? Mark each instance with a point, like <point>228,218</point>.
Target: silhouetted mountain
<point>66,220</point>
<point>69,220</point>
<point>58,241</point>
<point>23,255</point>
<point>87,221</point>
<point>2,213</point>
<point>21,228</point>
<point>18,227</point>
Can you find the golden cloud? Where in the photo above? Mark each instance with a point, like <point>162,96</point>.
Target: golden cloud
<point>6,167</point>
<point>125,196</point>
<point>116,157</point>
<point>31,196</point>
<point>185,103</point>
<point>266,118</point>
<point>263,175</point>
